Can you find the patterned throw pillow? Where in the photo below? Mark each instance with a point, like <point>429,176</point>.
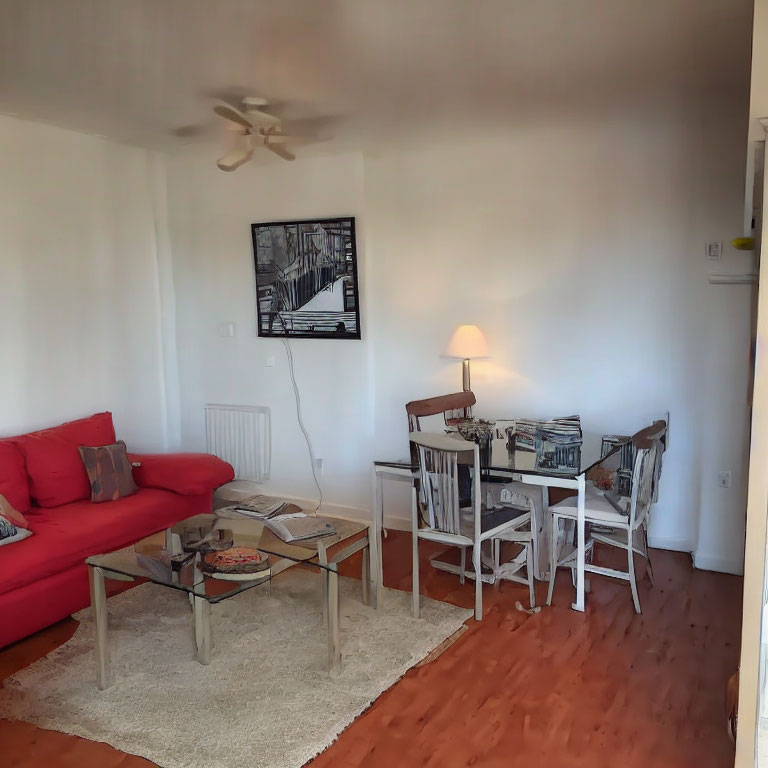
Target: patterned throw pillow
<point>109,471</point>
<point>13,525</point>
<point>10,514</point>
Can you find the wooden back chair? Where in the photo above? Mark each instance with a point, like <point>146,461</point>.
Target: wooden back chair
<point>644,438</point>
<point>454,407</point>
<point>654,435</point>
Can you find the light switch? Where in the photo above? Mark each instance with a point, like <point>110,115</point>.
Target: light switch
<point>714,250</point>
<point>724,479</point>
<point>227,329</point>
<point>270,362</point>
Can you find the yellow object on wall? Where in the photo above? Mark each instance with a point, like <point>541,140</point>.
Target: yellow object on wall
<point>743,243</point>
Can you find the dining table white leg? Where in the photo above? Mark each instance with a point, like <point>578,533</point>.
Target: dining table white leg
<point>580,543</point>
<point>365,575</point>
<point>377,528</point>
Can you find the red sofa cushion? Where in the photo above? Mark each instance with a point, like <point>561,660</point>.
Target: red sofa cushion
<point>186,473</point>
<point>65,536</point>
<point>56,472</point>
<point>13,476</point>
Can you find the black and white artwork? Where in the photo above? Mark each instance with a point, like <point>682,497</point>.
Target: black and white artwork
<point>306,279</point>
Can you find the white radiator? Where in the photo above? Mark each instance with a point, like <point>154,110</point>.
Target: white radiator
<point>240,434</point>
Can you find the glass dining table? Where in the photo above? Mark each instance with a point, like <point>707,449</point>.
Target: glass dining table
<point>502,458</point>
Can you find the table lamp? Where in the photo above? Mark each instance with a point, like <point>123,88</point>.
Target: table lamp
<point>467,342</point>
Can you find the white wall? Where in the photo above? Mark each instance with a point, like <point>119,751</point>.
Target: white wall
<point>210,215</point>
<point>578,249</point>
<point>580,252</point>
<point>78,284</point>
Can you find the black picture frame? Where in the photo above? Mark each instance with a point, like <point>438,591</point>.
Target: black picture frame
<point>306,278</point>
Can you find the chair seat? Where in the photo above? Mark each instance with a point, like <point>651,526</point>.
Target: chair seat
<point>491,519</point>
<point>596,507</point>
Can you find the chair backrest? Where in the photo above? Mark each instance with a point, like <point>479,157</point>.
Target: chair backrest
<point>454,407</point>
<point>655,434</point>
<point>656,431</point>
<point>623,479</point>
<point>644,438</point>
<point>438,472</point>
<point>641,500</point>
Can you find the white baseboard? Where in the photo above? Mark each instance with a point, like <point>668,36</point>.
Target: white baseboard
<point>666,542</point>
<point>352,513</point>
<point>706,562</point>
<point>701,561</point>
<point>328,508</point>
<point>397,523</point>
<point>245,488</point>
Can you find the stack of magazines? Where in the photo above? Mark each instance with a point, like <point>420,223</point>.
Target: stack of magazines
<point>264,507</point>
<point>284,519</point>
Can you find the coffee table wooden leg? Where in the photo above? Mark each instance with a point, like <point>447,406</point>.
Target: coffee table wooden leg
<point>331,576</point>
<point>202,610</point>
<point>375,538</point>
<point>101,624</point>
<point>365,575</point>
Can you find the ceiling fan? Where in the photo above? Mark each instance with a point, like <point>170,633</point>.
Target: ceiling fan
<point>257,129</point>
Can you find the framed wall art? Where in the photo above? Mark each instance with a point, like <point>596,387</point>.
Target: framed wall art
<point>306,279</point>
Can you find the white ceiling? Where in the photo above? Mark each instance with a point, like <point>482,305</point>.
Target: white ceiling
<point>136,70</point>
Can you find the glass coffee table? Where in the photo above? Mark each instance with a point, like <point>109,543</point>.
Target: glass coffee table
<point>152,559</point>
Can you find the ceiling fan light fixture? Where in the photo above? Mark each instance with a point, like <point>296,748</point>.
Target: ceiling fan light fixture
<point>262,130</point>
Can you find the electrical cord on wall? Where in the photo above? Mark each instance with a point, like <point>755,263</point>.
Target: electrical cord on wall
<point>289,354</point>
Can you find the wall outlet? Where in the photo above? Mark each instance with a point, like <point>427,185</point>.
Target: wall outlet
<point>714,250</point>
<point>724,479</point>
<point>270,361</point>
<point>318,466</point>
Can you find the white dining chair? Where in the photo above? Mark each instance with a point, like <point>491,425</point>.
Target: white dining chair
<point>613,521</point>
<point>438,514</point>
<point>522,567</point>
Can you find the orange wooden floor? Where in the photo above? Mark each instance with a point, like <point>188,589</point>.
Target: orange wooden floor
<point>558,689</point>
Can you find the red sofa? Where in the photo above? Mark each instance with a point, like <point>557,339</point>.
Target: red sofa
<point>43,578</point>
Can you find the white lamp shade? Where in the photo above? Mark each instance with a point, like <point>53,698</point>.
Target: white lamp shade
<point>467,342</point>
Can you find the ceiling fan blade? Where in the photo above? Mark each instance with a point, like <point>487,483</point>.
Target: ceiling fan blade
<point>234,159</point>
<point>279,150</point>
<point>191,131</point>
<point>279,138</point>
<point>229,113</point>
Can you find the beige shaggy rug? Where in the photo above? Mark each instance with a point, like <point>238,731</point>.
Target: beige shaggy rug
<point>265,701</point>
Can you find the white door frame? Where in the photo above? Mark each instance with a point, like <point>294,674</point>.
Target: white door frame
<point>757,526</point>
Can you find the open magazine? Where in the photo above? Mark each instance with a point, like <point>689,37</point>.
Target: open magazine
<point>298,526</point>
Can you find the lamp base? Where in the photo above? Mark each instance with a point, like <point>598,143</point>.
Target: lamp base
<point>465,375</point>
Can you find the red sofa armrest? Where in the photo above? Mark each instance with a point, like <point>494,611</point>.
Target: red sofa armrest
<point>188,474</point>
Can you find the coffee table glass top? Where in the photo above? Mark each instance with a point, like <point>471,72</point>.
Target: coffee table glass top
<point>149,559</point>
